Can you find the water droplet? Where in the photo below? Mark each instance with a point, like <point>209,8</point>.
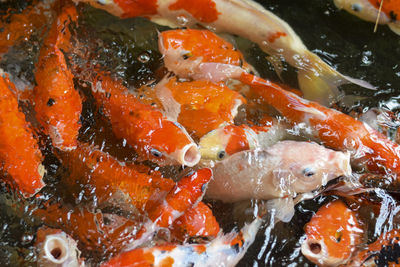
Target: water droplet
<point>26,239</point>
<point>182,20</point>
<point>144,57</point>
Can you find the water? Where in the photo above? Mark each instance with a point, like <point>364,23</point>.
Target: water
<point>128,48</point>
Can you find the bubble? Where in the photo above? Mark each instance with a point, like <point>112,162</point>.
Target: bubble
<point>144,57</point>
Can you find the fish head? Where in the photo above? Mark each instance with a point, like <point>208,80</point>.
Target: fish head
<point>332,235</point>
<point>223,142</point>
<point>305,166</point>
<point>361,8</point>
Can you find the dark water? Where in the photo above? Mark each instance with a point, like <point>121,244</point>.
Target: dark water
<point>128,48</point>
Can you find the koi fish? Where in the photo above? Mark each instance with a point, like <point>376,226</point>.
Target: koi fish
<point>286,168</point>
<point>225,250</point>
<point>127,184</point>
<point>230,139</point>
<point>152,135</point>
<point>56,248</point>
<point>317,79</point>
<point>19,152</point>
<point>22,25</point>
<point>383,252</point>
<point>368,147</point>
<point>57,104</point>
<point>99,232</point>
<point>332,235</point>
<point>191,104</point>
<point>379,11</point>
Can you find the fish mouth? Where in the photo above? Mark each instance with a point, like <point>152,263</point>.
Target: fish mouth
<point>56,249</point>
<point>317,252</point>
<point>189,155</point>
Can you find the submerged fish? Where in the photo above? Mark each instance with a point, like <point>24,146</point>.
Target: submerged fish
<point>277,174</point>
<point>57,104</point>
<point>379,11</point>
<point>152,135</point>
<point>274,36</point>
<point>230,139</point>
<point>225,250</point>
<point>56,248</point>
<point>20,157</point>
<point>332,235</point>
<point>199,106</point>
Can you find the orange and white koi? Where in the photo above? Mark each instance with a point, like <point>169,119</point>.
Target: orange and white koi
<point>385,251</point>
<point>57,104</point>
<point>280,171</point>
<point>22,25</point>
<point>335,129</point>
<point>19,152</point>
<point>152,135</point>
<point>225,141</point>
<point>56,248</point>
<point>332,235</point>
<point>378,11</point>
<point>274,36</point>
<point>200,106</point>
<point>225,250</point>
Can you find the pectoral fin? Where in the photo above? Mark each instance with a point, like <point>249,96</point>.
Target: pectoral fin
<point>282,208</point>
<point>395,27</point>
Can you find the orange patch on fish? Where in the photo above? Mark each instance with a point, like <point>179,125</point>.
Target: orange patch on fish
<point>19,152</point>
<point>390,7</point>
<point>273,37</point>
<point>204,105</point>
<point>237,141</point>
<point>135,8</point>
<point>202,10</point>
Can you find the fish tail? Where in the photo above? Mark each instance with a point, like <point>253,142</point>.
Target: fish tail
<point>320,82</point>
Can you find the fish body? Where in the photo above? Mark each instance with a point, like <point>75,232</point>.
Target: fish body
<point>368,148</point>
<point>21,159</point>
<point>224,251</point>
<point>230,139</point>
<point>57,249</point>
<point>152,135</point>
<point>369,10</point>
<point>200,106</point>
<point>281,170</point>
<point>274,36</point>
<point>332,235</point>
<point>57,104</point>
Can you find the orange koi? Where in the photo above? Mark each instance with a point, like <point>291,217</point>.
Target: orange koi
<point>225,141</point>
<point>57,104</point>
<point>191,104</point>
<point>198,221</point>
<point>19,152</point>
<point>383,252</point>
<point>332,235</point>
<point>225,250</point>
<point>335,129</point>
<point>56,248</point>
<point>378,11</point>
<point>100,232</point>
<point>152,135</point>
<point>22,25</point>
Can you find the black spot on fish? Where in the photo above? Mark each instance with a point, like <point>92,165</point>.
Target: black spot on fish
<point>236,247</point>
<point>131,113</point>
<point>388,254</point>
<point>190,264</point>
<point>1,29</point>
<point>51,102</point>
<point>393,16</point>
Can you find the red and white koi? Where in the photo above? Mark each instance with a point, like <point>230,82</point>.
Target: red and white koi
<point>152,135</point>
<point>274,36</point>
<point>200,106</point>
<point>20,157</point>
<point>56,248</point>
<point>333,128</point>
<point>57,104</point>
<point>225,250</point>
<point>378,11</point>
<point>225,141</point>
<point>332,235</point>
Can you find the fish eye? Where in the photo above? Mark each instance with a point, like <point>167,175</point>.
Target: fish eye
<point>221,154</point>
<point>156,153</point>
<point>356,7</point>
<point>308,172</point>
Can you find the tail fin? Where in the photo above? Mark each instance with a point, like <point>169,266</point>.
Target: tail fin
<point>319,81</point>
